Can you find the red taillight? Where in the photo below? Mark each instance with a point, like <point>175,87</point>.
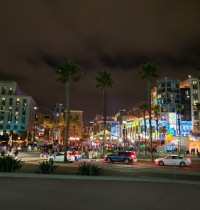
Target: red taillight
<point>188,159</point>
<point>133,156</point>
<point>76,155</point>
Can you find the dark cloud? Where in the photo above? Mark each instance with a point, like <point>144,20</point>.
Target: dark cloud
<point>36,36</point>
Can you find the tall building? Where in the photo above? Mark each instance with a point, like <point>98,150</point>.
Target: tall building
<point>168,94</point>
<point>17,113</point>
<point>192,90</point>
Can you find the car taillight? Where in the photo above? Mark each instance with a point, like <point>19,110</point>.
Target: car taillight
<point>188,159</point>
<point>133,156</point>
<point>76,155</point>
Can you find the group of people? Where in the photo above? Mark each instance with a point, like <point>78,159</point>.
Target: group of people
<point>11,151</point>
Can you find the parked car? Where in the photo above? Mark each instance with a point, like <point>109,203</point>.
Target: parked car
<point>173,159</point>
<point>125,156</point>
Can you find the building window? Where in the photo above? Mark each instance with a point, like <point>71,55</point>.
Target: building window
<point>3,101</point>
<point>23,111</point>
<point>15,127</point>
<point>3,90</point>
<point>10,101</point>
<point>8,127</point>
<point>17,101</point>
<point>168,84</point>
<point>23,119</point>
<point>24,102</point>
<point>16,109</point>
<point>10,91</point>
<point>9,117</point>
<point>194,84</point>
<point>195,95</point>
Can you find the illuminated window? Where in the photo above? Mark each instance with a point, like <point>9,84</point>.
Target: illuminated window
<point>24,102</point>
<point>10,91</point>
<point>9,117</point>
<point>17,101</point>
<point>3,101</point>
<point>16,113</point>
<point>3,108</point>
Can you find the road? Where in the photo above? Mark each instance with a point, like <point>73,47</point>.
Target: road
<point>74,194</point>
<point>139,169</point>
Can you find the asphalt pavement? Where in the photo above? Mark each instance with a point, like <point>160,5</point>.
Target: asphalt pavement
<point>37,191</point>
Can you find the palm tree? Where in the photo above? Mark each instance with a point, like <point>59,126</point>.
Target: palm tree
<point>178,109</point>
<point>61,126</point>
<point>75,122</point>
<point>104,80</point>
<point>144,109</point>
<point>163,130</point>
<point>68,72</point>
<point>49,124</point>
<point>149,72</point>
<point>156,110</point>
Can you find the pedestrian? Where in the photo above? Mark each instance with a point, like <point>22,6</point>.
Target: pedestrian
<point>16,153</point>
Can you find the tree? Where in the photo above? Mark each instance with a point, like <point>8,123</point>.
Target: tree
<point>148,72</point>
<point>75,122</point>
<point>178,109</point>
<point>156,110</point>
<point>104,80</point>
<point>61,126</point>
<point>68,72</point>
<point>144,109</point>
<point>49,124</point>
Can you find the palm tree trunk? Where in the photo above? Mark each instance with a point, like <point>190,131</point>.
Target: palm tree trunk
<point>179,132</point>
<point>157,130</point>
<point>149,108</point>
<point>104,119</point>
<point>67,86</point>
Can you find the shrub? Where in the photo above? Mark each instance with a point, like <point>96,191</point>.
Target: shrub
<point>90,169</point>
<point>47,167</point>
<point>9,164</point>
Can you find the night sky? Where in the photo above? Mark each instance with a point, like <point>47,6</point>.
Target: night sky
<point>116,35</point>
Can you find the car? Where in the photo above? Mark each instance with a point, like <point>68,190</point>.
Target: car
<point>59,157</point>
<point>173,160</point>
<point>124,156</point>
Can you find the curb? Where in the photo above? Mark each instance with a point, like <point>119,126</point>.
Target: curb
<point>97,178</point>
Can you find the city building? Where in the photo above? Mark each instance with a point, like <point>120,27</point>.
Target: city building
<point>17,115</point>
<point>98,123</point>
